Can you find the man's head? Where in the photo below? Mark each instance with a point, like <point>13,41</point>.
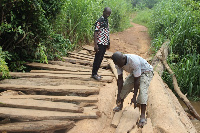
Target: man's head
<point>119,59</point>
<point>106,12</point>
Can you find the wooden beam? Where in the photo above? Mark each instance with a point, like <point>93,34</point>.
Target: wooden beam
<point>60,88</point>
<point>57,67</point>
<point>128,119</point>
<point>108,54</point>
<point>68,64</point>
<point>55,98</point>
<point>116,119</point>
<point>59,76</point>
<point>37,126</point>
<point>31,114</point>
<point>148,128</point>
<point>84,57</point>
<point>40,105</point>
<point>104,73</point>
<point>84,62</point>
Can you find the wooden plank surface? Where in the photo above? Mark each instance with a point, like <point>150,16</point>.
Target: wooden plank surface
<point>104,73</point>
<point>59,76</point>
<point>31,114</point>
<point>68,64</point>
<point>60,88</point>
<point>148,128</point>
<point>128,119</point>
<point>84,62</point>
<point>40,105</point>
<point>84,57</point>
<point>57,67</point>
<point>116,119</point>
<point>37,126</point>
<point>55,98</point>
<point>91,48</point>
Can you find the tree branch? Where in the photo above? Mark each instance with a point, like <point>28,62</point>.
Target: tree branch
<point>177,88</point>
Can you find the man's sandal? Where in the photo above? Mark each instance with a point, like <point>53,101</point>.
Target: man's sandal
<point>96,77</point>
<point>142,122</point>
<point>117,109</point>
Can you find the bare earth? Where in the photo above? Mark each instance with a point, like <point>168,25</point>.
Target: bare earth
<point>134,40</point>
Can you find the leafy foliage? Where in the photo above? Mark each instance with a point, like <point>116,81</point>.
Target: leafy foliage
<point>39,30</point>
<point>178,21</point>
<point>3,65</point>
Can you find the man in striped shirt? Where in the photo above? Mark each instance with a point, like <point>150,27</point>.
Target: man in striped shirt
<point>101,41</point>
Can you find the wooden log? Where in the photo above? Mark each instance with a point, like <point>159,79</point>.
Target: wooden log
<point>116,119</point>
<point>37,126</point>
<point>83,62</point>
<point>156,62</point>
<point>148,128</point>
<point>160,107</point>
<point>128,119</point>
<point>68,64</point>
<point>84,57</point>
<point>136,129</point>
<point>51,82</point>
<point>57,67</point>
<point>108,54</point>
<point>59,76</point>
<point>33,115</point>
<point>104,73</point>
<point>60,88</point>
<point>55,98</point>
<point>40,105</point>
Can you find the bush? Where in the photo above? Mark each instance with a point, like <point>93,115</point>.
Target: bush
<point>179,21</point>
<point>39,30</point>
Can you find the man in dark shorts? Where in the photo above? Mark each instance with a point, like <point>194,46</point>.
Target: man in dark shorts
<point>101,41</point>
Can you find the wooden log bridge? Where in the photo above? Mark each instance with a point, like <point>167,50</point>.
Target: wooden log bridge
<point>52,97</point>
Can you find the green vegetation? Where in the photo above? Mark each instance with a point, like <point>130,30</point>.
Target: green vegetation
<point>178,21</point>
<point>42,30</point>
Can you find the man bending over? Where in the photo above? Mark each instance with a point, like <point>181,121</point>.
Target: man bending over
<point>141,73</point>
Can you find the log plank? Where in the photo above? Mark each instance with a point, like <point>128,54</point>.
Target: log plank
<point>37,126</point>
<point>57,67</point>
<point>59,76</point>
<point>116,119</point>
<point>40,105</point>
<point>31,114</point>
<point>104,73</point>
<point>55,98</point>
<point>60,88</point>
<point>83,62</point>
<point>128,119</point>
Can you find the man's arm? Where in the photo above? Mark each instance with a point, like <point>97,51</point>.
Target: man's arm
<point>120,85</point>
<point>136,87</point>
<point>96,48</point>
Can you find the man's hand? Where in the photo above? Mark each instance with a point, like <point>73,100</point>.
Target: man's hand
<point>96,48</point>
<point>133,100</point>
<point>108,47</point>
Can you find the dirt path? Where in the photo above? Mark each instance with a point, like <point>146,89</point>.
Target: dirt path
<point>134,40</point>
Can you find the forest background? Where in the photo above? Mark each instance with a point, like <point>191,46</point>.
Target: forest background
<point>42,30</point>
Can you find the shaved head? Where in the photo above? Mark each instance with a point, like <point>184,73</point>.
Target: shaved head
<point>117,56</point>
<point>107,9</point>
<point>119,59</point>
<point>106,12</point>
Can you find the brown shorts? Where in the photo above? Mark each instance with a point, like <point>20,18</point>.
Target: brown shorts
<point>128,86</point>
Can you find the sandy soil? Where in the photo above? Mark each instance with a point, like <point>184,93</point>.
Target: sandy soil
<point>134,40</point>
